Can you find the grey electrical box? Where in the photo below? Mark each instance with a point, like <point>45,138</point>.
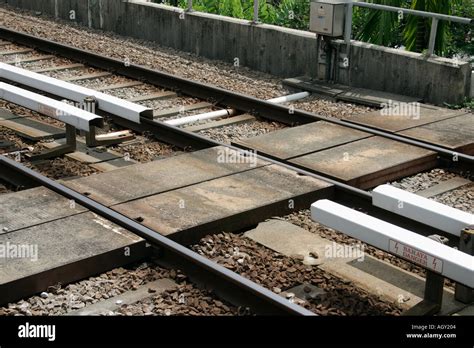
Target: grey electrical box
<point>327,17</point>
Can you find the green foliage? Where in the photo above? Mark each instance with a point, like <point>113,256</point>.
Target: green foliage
<point>461,39</point>
<point>417,30</point>
<point>379,27</point>
<point>293,14</point>
<point>468,103</point>
<point>286,13</point>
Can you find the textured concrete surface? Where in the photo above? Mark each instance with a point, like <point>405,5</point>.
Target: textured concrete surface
<point>369,162</point>
<point>394,119</point>
<point>226,204</point>
<point>296,141</point>
<point>159,176</point>
<point>455,133</point>
<point>62,251</point>
<point>32,207</point>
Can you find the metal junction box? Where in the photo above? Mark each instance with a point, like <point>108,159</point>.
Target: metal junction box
<point>327,17</point>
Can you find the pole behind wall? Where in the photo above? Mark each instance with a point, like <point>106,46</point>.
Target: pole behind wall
<point>255,11</point>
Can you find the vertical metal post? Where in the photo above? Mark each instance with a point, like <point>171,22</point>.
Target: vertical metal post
<point>255,11</point>
<point>434,284</point>
<point>463,293</point>
<point>432,299</point>
<point>190,5</point>
<point>348,23</point>
<point>71,136</point>
<point>434,31</point>
<point>434,287</point>
<point>56,9</point>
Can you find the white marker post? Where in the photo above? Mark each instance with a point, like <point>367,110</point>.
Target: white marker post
<point>438,259</point>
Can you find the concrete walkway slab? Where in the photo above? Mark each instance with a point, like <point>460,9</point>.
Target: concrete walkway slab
<point>286,238</point>
<point>444,186</point>
<point>297,141</point>
<point>373,98</point>
<point>151,178</point>
<point>33,207</point>
<point>369,162</point>
<point>394,119</point>
<point>112,164</point>
<point>348,262</point>
<point>320,87</point>
<point>224,204</point>
<point>67,250</point>
<point>455,133</point>
<point>346,93</point>
<point>129,297</point>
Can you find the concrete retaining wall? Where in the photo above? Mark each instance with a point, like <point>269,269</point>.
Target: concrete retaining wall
<point>275,50</point>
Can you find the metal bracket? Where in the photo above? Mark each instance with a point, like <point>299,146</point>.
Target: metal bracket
<point>93,140</point>
<point>463,293</point>
<point>69,147</point>
<point>433,296</point>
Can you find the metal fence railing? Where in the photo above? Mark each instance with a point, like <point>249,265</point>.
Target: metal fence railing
<point>436,17</point>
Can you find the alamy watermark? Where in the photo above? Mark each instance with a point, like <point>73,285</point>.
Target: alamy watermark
<point>28,330</point>
<point>86,105</point>
<point>19,251</point>
<point>395,108</point>
<point>335,250</point>
<point>227,155</point>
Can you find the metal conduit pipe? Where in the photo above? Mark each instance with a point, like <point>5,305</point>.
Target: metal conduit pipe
<point>289,98</point>
<point>231,112</point>
<point>201,117</point>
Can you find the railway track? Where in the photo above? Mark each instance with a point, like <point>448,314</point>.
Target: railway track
<point>197,96</point>
<point>216,95</point>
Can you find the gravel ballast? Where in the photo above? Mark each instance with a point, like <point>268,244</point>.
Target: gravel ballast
<point>57,168</point>
<point>186,299</point>
<point>280,273</point>
<point>230,133</point>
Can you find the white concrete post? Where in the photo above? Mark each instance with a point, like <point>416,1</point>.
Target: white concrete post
<point>255,11</point>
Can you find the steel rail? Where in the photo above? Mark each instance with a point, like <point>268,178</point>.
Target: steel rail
<point>243,290</point>
<point>196,89</point>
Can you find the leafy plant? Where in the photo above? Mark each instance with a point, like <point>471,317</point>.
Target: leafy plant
<point>380,27</point>
<point>468,103</point>
<point>417,30</point>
